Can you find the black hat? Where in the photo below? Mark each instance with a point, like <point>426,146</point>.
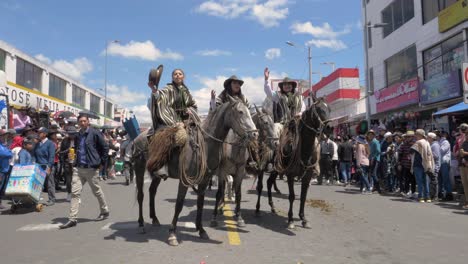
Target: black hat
<point>227,83</point>
<point>71,130</point>
<point>287,80</point>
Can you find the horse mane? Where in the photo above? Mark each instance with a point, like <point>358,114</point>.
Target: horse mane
<point>214,115</point>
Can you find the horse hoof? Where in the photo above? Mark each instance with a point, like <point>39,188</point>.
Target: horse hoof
<point>306,225</point>
<point>172,241</point>
<point>278,192</point>
<point>240,223</point>
<point>141,230</point>
<point>214,223</point>
<point>204,235</point>
<point>291,226</point>
<point>156,223</point>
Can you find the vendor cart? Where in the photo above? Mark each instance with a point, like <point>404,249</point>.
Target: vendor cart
<point>25,186</point>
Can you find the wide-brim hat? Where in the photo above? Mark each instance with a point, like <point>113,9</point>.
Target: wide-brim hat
<point>409,133</point>
<point>463,127</point>
<point>71,130</point>
<point>288,80</point>
<point>361,140</point>
<point>227,83</point>
<point>370,132</point>
<point>420,132</point>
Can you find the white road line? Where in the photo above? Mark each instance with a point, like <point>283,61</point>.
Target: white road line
<point>39,227</point>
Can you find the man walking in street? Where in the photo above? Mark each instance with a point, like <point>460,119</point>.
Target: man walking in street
<point>92,151</point>
<point>45,157</point>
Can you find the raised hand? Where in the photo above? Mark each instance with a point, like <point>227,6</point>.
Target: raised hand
<point>266,73</point>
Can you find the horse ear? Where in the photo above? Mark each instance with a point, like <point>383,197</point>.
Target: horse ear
<point>256,109</point>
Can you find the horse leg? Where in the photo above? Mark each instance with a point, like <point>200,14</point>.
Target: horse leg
<point>277,190</point>
<point>292,196</point>
<point>219,198</point>
<point>200,203</point>
<point>271,180</point>
<point>140,178</point>
<point>237,186</point>
<point>181,193</point>
<point>304,188</point>
<point>152,191</point>
<point>259,191</point>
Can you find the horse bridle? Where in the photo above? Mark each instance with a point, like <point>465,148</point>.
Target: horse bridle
<point>322,122</point>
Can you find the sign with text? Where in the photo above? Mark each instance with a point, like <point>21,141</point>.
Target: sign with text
<point>397,95</point>
<point>440,88</point>
<point>453,15</point>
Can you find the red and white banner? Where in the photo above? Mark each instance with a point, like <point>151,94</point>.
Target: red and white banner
<point>397,95</point>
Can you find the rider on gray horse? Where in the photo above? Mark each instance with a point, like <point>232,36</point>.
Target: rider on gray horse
<point>232,87</point>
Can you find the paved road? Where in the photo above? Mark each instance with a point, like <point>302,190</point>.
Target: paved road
<point>349,228</point>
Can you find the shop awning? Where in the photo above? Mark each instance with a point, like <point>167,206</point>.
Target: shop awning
<point>460,107</point>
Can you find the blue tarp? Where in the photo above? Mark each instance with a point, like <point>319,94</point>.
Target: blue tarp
<point>460,107</point>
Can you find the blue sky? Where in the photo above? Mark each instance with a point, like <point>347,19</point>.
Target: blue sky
<point>209,40</point>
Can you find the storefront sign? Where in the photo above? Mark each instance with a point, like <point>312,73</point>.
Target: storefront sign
<point>441,88</point>
<point>453,15</point>
<point>397,95</point>
<point>24,97</point>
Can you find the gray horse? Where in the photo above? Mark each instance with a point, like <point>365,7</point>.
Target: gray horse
<point>231,115</point>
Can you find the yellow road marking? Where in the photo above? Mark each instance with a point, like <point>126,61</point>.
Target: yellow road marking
<point>231,225</point>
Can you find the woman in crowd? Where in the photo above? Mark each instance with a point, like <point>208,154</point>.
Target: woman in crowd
<point>362,164</point>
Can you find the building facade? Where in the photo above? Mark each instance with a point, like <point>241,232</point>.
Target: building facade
<point>30,82</point>
<point>414,58</point>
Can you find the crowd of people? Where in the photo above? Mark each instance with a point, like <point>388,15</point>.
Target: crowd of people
<point>54,148</point>
<point>415,164</point>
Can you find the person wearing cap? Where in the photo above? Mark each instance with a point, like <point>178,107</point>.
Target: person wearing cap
<point>408,186</point>
<point>362,164</point>
<point>422,165</point>
<point>463,128</point>
<point>463,164</point>
<point>286,102</point>
<point>44,153</point>
<point>25,156</point>
<point>5,156</point>
<point>433,178</point>
<point>232,87</point>
<point>91,154</point>
<point>374,160</point>
<point>445,185</point>
<point>65,159</point>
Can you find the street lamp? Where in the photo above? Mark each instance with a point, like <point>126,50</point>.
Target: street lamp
<point>105,77</point>
<point>366,27</point>
<point>309,58</point>
<point>332,64</point>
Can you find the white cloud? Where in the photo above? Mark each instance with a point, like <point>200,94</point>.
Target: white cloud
<point>272,53</point>
<point>214,53</point>
<point>75,69</point>
<point>141,50</point>
<point>268,13</point>
<point>123,95</point>
<point>324,31</point>
<point>333,44</point>
<point>142,113</point>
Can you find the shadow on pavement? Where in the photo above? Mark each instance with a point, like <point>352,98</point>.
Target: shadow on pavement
<point>63,220</point>
<point>349,191</point>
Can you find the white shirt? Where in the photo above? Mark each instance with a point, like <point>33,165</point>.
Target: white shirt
<point>274,95</point>
<point>335,150</point>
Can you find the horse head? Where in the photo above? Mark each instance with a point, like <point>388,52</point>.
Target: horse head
<point>238,118</point>
<point>317,116</point>
<point>266,126</point>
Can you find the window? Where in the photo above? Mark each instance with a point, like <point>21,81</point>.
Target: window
<point>371,81</point>
<point>401,66</point>
<point>78,96</point>
<point>431,8</point>
<point>369,36</point>
<point>95,103</point>
<point>397,14</point>
<point>28,75</point>
<point>57,87</point>
<point>2,60</point>
<point>444,57</point>
<point>108,109</point>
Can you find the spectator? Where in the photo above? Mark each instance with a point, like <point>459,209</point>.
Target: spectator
<point>388,163</point>
<point>463,163</point>
<point>362,164</point>
<point>404,161</point>
<point>126,155</point>
<point>460,139</point>
<point>25,154</point>
<point>92,151</point>
<point>326,153</point>
<point>433,177</point>
<point>45,155</point>
<point>334,161</point>
<point>345,155</point>
<point>445,185</point>
<point>398,184</point>
<point>5,156</point>
<point>66,159</point>
<point>21,120</point>
<point>374,160</point>
<point>423,164</point>
<point>55,168</point>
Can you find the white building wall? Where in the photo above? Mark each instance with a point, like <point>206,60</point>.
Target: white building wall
<point>412,32</point>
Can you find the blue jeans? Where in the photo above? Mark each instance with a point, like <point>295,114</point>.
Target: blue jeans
<point>423,184</point>
<point>444,179</point>
<point>373,175</point>
<point>345,169</point>
<point>364,178</point>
